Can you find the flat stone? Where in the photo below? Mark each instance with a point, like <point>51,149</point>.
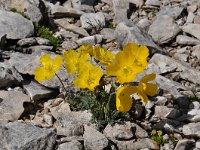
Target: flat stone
<point>192,29</point>
<point>67,45</point>
<point>27,42</point>
<point>42,41</point>
<point>144,143</point>
<point>93,139</point>
<point>192,129</point>
<point>92,21</point>
<point>165,112</point>
<point>15,26</point>
<point>11,104</point>
<point>61,12</point>
<point>144,23</point>
<point>196,51</point>
<point>186,72</point>
<point>15,135</point>
<point>153,2</point>
<point>37,92</point>
<point>38,48</point>
<point>181,57</point>
<point>190,17</point>
<point>128,32</point>
<point>120,8</point>
<point>124,131</point>
<point>186,40</point>
<point>9,76</point>
<point>173,11</point>
<point>2,40</point>
<point>90,40</point>
<point>197,19</point>
<point>185,144</point>
<point>161,100</point>
<point>70,27</point>
<point>108,34</point>
<point>160,35</point>
<point>73,145</point>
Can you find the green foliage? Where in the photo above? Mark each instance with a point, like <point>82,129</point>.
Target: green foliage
<point>154,12</point>
<point>46,33</point>
<point>194,97</point>
<point>110,25</point>
<point>21,13</point>
<point>101,104</point>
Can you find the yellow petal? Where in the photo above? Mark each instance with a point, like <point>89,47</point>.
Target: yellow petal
<point>123,99</point>
<point>151,89</point>
<point>57,63</point>
<point>39,74</point>
<point>143,96</point>
<point>45,60</point>
<point>148,78</point>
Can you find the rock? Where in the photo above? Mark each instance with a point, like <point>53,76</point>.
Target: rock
<point>138,3</point>
<point>61,12</point>
<point>90,40</point>
<point>128,32</point>
<point>192,129</point>
<point>2,40</point>
<point>27,42</point>
<point>197,144</point>
<point>153,2</point>
<point>160,35</point>
<point>67,45</point>
<point>88,2</point>
<point>144,143</point>
<point>15,26</point>
<point>181,57</point>
<point>165,112</point>
<point>186,72</point>
<point>38,47</point>
<point>190,17</point>
<point>57,107</point>
<point>194,105</point>
<point>73,145</point>
<point>167,125</point>
<point>66,35</point>
<point>197,20</point>
<point>37,92</point>
<point>93,139</point>
<point>108,34</point>
<point>9,76</point>
<point>186,40</point>
<point>70,27</point>
<point>42,41</point>
<point>161,100</point>
<point>48,119</point>
<point>196,51</point>
<point>124,131</point>
<point>120,8</point>
<point>11,104</point>
<point>185,144</point>
<point>25,136</point>
<point>173,11</point>
<point>192,29</point>
<point>72,123</point>
<point>29,8</point>
<point>91,21</point>
<point>144,23</point>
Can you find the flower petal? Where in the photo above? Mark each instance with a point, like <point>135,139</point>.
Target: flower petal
<point>151,89</point>
<point>143,96</point>
<point>57,63</point>
<point>45,60</point>
<point>39,74</point>
<point>148,78</point>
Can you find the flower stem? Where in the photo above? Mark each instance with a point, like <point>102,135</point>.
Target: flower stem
<point>108,104</point>
<point>61,82</point>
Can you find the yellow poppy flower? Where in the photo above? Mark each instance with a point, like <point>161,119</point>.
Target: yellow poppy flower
<point>49,67</point>
<point>73,59</point>
<point>87,49</point>
<point>88,76</point>
<point>145,88</point>
<point>128,63</point>
<point>104,56</point>
<point>123,99</point>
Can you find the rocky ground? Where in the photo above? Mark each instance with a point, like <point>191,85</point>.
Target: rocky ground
<point>34,116</point>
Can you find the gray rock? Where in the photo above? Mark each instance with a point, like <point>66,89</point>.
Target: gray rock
<point>71,123</point>
<point>37,92</point>
<point>61,12</point>
<point>181,57</point>
<point>196,51</point>
<point>90,40</point>
<point>68,35</point>
<point>120,8</point>
<point>165,112</point>
<point>2,40</point>
<point>173,11</point>
<point>88,2</point>
<point>192,29</point>
<point>185,144</point>
<point>67,45</point>
<point>167,125</point>
<point>144,23</point>
<point>25,136</point>
<point>27,42</point>
<point>128,32</point>
<point>194,105</point>
<point>15,26</point>
<point>153,2</point>
<point>29,8</point>
<point>11,104</point>
<point>93,139</point>
<point>190,17</point>
<point>169,32</point>
<point>9,76</point>
<point>161,100</point>
<point>73,145</point>
<point>38,48</point>
<point>92,21</point>
<point>186,40</point>
<point>144,143</point>
<point>48,119</point>
<point>197,144</point>
<point>108,34</point>
<point>192,129</point>
<point>186,72</point>
<point>42,41</point>
<point>124,131</point>
<point>138,3</point>
<point>70,27</point>
<point>83,7</point>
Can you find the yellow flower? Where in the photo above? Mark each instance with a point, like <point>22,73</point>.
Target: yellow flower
<point>88,76</point>
<point>87,49</point>
<point>145,88</point>
<point>73,60</point>
<point>104,56</point>
<point>123,99</point>
<point>49,67</point>
<point>128,63</point>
